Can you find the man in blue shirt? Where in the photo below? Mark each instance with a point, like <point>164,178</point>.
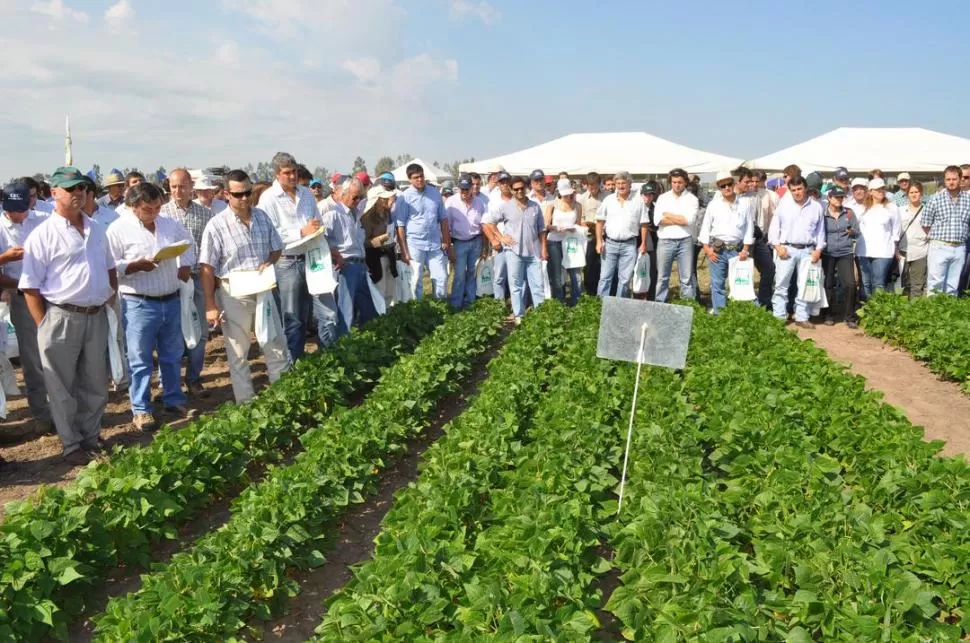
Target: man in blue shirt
<point>422,230</point>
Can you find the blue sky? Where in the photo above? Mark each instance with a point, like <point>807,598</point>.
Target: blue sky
<point>233,81</point>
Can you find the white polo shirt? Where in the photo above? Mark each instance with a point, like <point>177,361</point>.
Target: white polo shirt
<point>622,220</point>
<point>13,235</point>
<point>685,205</point>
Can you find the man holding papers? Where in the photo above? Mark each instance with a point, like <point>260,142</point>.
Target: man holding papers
<point>238,246</point>
<point>152,254</point>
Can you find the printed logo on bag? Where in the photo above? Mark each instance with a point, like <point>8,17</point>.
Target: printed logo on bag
<point>314,259</point>
<point>742,279</point>
<point>811,279</point>
<point>572,245</point>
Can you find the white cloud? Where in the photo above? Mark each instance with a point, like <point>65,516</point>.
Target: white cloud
<point>338,20</point>
<point>119,14</point>
<point>461,9</point>
<point>57,10</point>
<point>228,53</point>
<point>365,69</point>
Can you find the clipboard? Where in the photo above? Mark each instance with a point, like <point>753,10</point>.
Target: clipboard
<point>251,282</point>
<point>172,251</point>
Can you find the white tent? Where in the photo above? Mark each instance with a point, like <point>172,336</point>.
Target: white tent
<point>606,153</point>
<point>861,149</point>
<point>432,174</point>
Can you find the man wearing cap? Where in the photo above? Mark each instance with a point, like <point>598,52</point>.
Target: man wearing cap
<point>294,213</point>
<point>206,187</point>
<point>365,183</point>
<point>68,275</point>
<point>316,187</point>
<point>590,201</point>
<point>946,219</point>
<point>345,234</point>
<point>447,189</point>
<point>114,185</point>
<point>194,217</point>
<point>621,230</point>
<point>465,211</point>
<point>333,199</point>
<point>649,192</point>
<point>500,274</point>
<point>423,234</point>
<point>152,305</point>
<point>727,232</point>
<point>901,198</point>
<point>100,213</point>
<point>840,179</point>
<point>241,237</point>
<point>797,231</point>
<point>491,189</point>
<point>16,224</point>
<point>539,193</point>
<point>674,217</point>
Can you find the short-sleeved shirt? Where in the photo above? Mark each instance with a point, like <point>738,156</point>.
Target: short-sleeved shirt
<point>229,244</point>
<point>420,213</point>
<point>523,223</point>
<point>465,220</point>
<point>67,266</point>
<point>622,220</point>
<point>591,204</point>
<point>13,235</point>
<point>130,240</point>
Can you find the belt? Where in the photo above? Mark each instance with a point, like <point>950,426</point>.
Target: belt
<point>353,259</point>
<point>168,297</point>
<point>954,244</point>
<point>730,246</point>
<point>627,240</point>
<point>468,239</point>
<point>800,246</point>
<point>86,310</point>
<point>294,257</point>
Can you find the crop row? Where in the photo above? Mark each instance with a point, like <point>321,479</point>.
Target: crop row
<point>935,330</point>
<point>503,545</point>
<point>286,520</point>
<point>58,546</point>
<point>796,506</point>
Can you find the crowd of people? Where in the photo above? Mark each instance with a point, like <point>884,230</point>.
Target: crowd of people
<point>252,257</point>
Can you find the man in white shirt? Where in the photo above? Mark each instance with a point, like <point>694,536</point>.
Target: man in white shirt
<point>727,232</point>
<point>16,224</point>
<point>295,215</point>
<point>539,193</point>
<point>502,193</point>
<point>674,216</point>
<point>621,230</point>
<point>152,303</point>
<point>68,276</point>
<point>206,188</point>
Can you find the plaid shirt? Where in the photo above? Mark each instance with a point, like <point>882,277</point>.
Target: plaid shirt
<point>228,244</point>
<point>194,218</point>
<point>948,219</point>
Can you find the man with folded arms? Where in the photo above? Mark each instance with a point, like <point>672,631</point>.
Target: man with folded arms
<point>16,224</point>
<point>152,305</point>
<point>946,219</point>
<point>590,201</point>
<point>674,215</point>
<point>68,276</point>
<point>240,237</point>
<point>797,231</point>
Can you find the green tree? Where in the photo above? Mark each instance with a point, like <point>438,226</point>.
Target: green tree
<point>321,173</point>
<point>384,164</point>
<point>401,159</point>
<point>359,165</point>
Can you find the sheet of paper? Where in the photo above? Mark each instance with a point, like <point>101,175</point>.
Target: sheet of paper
<point>303,244</point>
<point>172,251</point>
<point>251,282</point>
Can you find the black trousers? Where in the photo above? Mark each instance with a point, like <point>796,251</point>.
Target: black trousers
<point>843,269</point>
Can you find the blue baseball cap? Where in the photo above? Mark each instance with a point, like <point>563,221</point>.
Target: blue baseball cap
<point>537,175</point>
<point>841,174</point>
<point>504,176</point>
<point>387,180</point>
<point>16,198</point>
<point>464,182</point>
<point>316,182</point>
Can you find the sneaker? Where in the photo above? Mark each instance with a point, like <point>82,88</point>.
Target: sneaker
<point>195,389</point>
<point>145,422</point>
<point>180,411</point>
<point>77,458</point>
<point>805,324</point>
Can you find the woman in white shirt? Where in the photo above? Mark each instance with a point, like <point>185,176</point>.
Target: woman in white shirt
<point>879,232</point>
<point>562,217</point>
<point>915,243</point>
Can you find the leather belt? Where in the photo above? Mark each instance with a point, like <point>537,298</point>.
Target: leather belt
<point>294,257</point>
<point>85,310</point>
<point>168,297</point>
<point>629,240</point>
<point>953,244</point>
<point>477,236</point>
<point>353,259</point>
<point>800,246</point>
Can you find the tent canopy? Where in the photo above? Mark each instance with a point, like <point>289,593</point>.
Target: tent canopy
<point>432,174</point>
<point>861,149</point>
<point>606,153</point>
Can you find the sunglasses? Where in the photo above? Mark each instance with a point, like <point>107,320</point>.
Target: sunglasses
<point>726,185</point>
<point>241,195</point>
<point>75,188</point>
<point>519,189</point>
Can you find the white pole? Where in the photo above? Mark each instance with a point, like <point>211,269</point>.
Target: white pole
<point>633,411</point>
<point>68,155</point>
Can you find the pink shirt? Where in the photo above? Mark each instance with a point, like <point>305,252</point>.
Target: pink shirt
<point>465,220</point>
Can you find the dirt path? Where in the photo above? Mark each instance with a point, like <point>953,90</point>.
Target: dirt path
<point>940,407</point>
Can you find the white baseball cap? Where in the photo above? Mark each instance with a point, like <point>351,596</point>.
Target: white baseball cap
<point>859,182</point>
<point>565,187</point>
<point>877,184</point>
<point>902,176</point>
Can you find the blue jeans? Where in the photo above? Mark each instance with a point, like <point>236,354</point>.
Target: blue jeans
<point>437,264</point>
<point>875,273</point>
<point>154,327</point>
<point>355,275</point>
<point>196,356</point>
<point>555,275</point>
<point>522,269</point>
<point>295,302</point>
<point>683,251</point>
<point>943,266</point>
<point>464,287</point>
<point>784,269</point>
<point>719,274</point>
<point>500,274</point>
<point>619,258</point>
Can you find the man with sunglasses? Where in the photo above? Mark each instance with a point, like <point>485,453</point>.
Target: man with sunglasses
<point>727,232</point>
<point>422,230</point>
<point>316,187</point>
<point>68,274</point>
<point>240,237</point>
<point>293,210</point>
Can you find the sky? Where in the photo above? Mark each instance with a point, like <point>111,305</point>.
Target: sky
<point>211,82</point>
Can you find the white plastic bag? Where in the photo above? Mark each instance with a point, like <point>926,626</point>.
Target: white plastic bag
<point>8,334</point>
<point>574,250</point>
<point>404,284</point>
<point>8,378</point>
<point>417,274</point>
<point>115,359</point>
<point>485,276</point>
<point>809,281</point>
<point>380,305</point>
<point>546,285</point>
<point>641,275</point>
<point>268,324</point>
<point>191,323</point>
<point>319,269</point>
<point>741,279</point>
<point>897,286</point>
<point>345,303</point>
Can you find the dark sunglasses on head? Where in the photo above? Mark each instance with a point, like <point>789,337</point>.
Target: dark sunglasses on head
<point>241,195</point>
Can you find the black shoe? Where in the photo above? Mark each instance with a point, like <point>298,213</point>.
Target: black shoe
<point>195,389</point>
<point>93,449</point>
<point>180,411</point>
<point>77,458</point>
<point>852,324</point>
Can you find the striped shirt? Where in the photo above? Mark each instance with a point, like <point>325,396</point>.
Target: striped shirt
<point>130,240</point>
<point>947,218</point>
<point>194,218</point>
<point>344,232</point>
<point>287,214</point>
<point>229,244</point>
